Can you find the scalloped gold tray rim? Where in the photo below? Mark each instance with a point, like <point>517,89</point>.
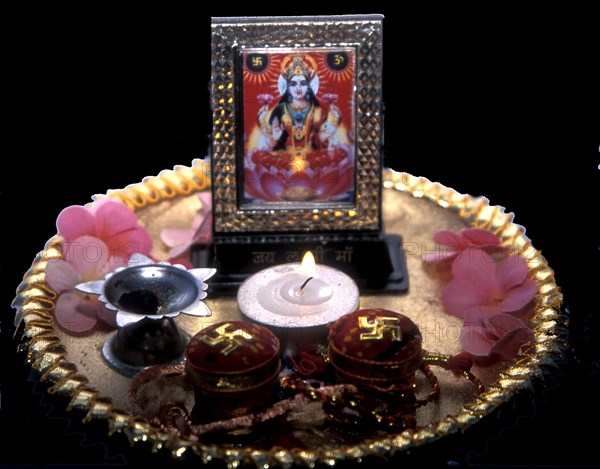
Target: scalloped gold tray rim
<point>46,354</point>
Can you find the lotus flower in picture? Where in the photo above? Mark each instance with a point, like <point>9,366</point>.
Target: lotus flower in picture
<point>314,183</point>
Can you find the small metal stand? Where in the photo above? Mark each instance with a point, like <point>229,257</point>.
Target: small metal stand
<point>148,296</point>
<point>145,343</point>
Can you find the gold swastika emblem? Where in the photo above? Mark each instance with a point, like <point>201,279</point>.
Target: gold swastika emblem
<point>257,61</point>
<point>232,339</point>
<point>380,325</point>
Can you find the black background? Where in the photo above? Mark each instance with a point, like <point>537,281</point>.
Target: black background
<point>489,98</point>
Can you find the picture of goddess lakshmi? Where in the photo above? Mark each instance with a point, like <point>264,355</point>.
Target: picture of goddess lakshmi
<point>299,148</point>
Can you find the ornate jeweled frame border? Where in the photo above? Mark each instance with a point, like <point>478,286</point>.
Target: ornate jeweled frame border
<point>47,354</point>
<point>232,34</point>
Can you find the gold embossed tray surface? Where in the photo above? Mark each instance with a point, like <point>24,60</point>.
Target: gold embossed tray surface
<point>413,207</point>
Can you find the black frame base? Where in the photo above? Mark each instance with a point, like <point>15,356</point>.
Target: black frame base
<point>376,262</point>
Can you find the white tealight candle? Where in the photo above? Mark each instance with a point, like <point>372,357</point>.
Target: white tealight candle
<point>298,295</point>
<point>311,292</point>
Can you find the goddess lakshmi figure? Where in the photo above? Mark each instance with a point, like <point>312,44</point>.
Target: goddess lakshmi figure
<point>302,146</point>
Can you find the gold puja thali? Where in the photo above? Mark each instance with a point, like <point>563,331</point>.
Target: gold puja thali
<point>414,207</point>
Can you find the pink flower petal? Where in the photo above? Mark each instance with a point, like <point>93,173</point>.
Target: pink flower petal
<point>176,236</point>
<point>511,333</point>
<point>197,221</point>
<point>61,276</point>
<point>98,204</point>
<point>73,313</point>
<point>127,243</point>
<point>508,346</point>
<point>499,324</point>
<point>449,238</point>
<point>460,296</point>
<point>479,237</point>
<point>203,233</point>
<point>501,335</point>
<point>474,316</point>
<point>112,223</point>
<point>476,267</point>
<point>177,251</point>
<point>104,314</point>
<point>206,200</point>
<point>475,341</point>
<point>444,255</point>
<point>518,297</point>
<point>112,264</point>
<point>489,309</point>
<point>75,221</point>
<point>525,313</point>
<point>180,239</point>
<point>511,272</point>
<point>88,256</point>
<point>113,217</point>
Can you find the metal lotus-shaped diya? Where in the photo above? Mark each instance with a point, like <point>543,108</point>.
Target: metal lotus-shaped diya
<point>147,296</point>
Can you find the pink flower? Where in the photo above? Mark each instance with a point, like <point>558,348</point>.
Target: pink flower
<point>86,258</point>
<point>499,335</point>
<point>482,287</point>
<point>180,239</point>
<point>455,243</point>
<point>96,241</point>
<point>488,295</point>
<point>110,221</point>
<point>178,260</point>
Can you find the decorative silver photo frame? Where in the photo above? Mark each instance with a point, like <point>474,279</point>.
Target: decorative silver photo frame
<point>284,169</point>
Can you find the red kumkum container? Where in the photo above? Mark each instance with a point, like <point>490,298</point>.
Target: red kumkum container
<point>234,367</point>
<point>379,351</point>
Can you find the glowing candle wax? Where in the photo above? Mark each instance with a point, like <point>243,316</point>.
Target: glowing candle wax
<point>298,295</point>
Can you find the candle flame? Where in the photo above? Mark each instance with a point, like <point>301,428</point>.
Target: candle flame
<point>308,265</point>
